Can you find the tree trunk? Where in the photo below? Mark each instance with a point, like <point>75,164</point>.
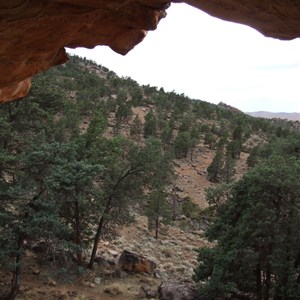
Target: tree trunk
<point>258,283</point>
<point>174,204</point>
<point>192,153</point>
<point>156,227</point>
<point>98,233</point>
<point>16,279</point>
<point>78,232</point>
<point>296,264</point>
<point>267,283</point>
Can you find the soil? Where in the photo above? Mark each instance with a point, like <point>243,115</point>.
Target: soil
<point>174,251</point>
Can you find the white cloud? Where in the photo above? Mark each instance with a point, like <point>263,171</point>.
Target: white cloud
<point>213,60</point>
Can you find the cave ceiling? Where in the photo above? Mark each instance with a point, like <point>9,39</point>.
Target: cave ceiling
<point>34,33</point>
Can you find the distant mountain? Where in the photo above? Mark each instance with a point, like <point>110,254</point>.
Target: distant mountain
<point>280,115</point>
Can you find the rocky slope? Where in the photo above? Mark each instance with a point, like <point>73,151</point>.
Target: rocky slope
<point>87,88</point>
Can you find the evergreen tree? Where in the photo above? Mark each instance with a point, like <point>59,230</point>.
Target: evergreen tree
<point>186,123</point>
<point>210,140</point>
<point>258,250</point>
<point>182,144</point>
<point>166,135</point>
<point>234,149</point>
<point>215,168</point>
<point>123,112</point>
<point>228,171</point>
<point>150,126</point>
<point>253,157</point>
<point>158,210</point>
<point>136,128</point>
<point>195,134</point>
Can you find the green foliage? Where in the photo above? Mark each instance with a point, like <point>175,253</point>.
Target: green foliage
<point>182,144</point>
<point>150,126</point>
<point>166,134</point>
<point>234,149</point>
<point>66,180</point>
<point>215,168</point>
<point>209,140</point>
<point>257,255</point>
<point>136,128</point>
<point>186,123</point>
<point>96,128</point>
<point>158,210</point>
<point>190,209</point>
<point>253,157</point>
<point>195,136</point>
<point>228,170</point>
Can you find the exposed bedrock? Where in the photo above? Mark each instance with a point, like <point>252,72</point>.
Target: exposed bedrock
<point>33,33</point>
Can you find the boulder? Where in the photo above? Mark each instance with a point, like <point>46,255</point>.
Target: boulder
<point>132,262</point>
<point>176,290</point>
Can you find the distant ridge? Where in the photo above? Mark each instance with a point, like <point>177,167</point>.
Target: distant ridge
<point>271,115</point>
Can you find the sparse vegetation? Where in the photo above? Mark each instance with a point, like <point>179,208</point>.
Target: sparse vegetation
<point>87,153</point>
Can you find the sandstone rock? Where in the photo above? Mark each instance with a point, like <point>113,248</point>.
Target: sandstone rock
<point>15,90</point>
<point>172,290</point>
<point>278,19</point>
<point>132,262</point>
<point>35,32</point>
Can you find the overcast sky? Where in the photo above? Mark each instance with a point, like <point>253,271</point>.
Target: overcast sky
<point>209,59</point>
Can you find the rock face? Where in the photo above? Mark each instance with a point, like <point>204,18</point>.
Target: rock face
<point>277,18</point>
<point>34,32</point>
<point>132,262</point>
<point>172,290</point>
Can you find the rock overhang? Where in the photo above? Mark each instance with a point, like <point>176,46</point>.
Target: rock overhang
<point>34,32</point>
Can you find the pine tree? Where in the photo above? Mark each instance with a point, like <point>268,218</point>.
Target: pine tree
<point>257,228</point>
<point>228,171</point>
<point>150,126</point>
<point>158,211</point>
<point>136,128</point>
<point>215,168</point>
<point>182,144</point>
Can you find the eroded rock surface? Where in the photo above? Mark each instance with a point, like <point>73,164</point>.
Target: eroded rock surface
<point>276,18</point>
<point>34,32</point>
<point>132,262</point>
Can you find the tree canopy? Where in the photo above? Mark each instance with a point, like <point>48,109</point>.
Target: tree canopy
<point>257,255</point>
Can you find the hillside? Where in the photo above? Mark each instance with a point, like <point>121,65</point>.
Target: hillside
<point>88,152</point>
<point>271,115</point>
